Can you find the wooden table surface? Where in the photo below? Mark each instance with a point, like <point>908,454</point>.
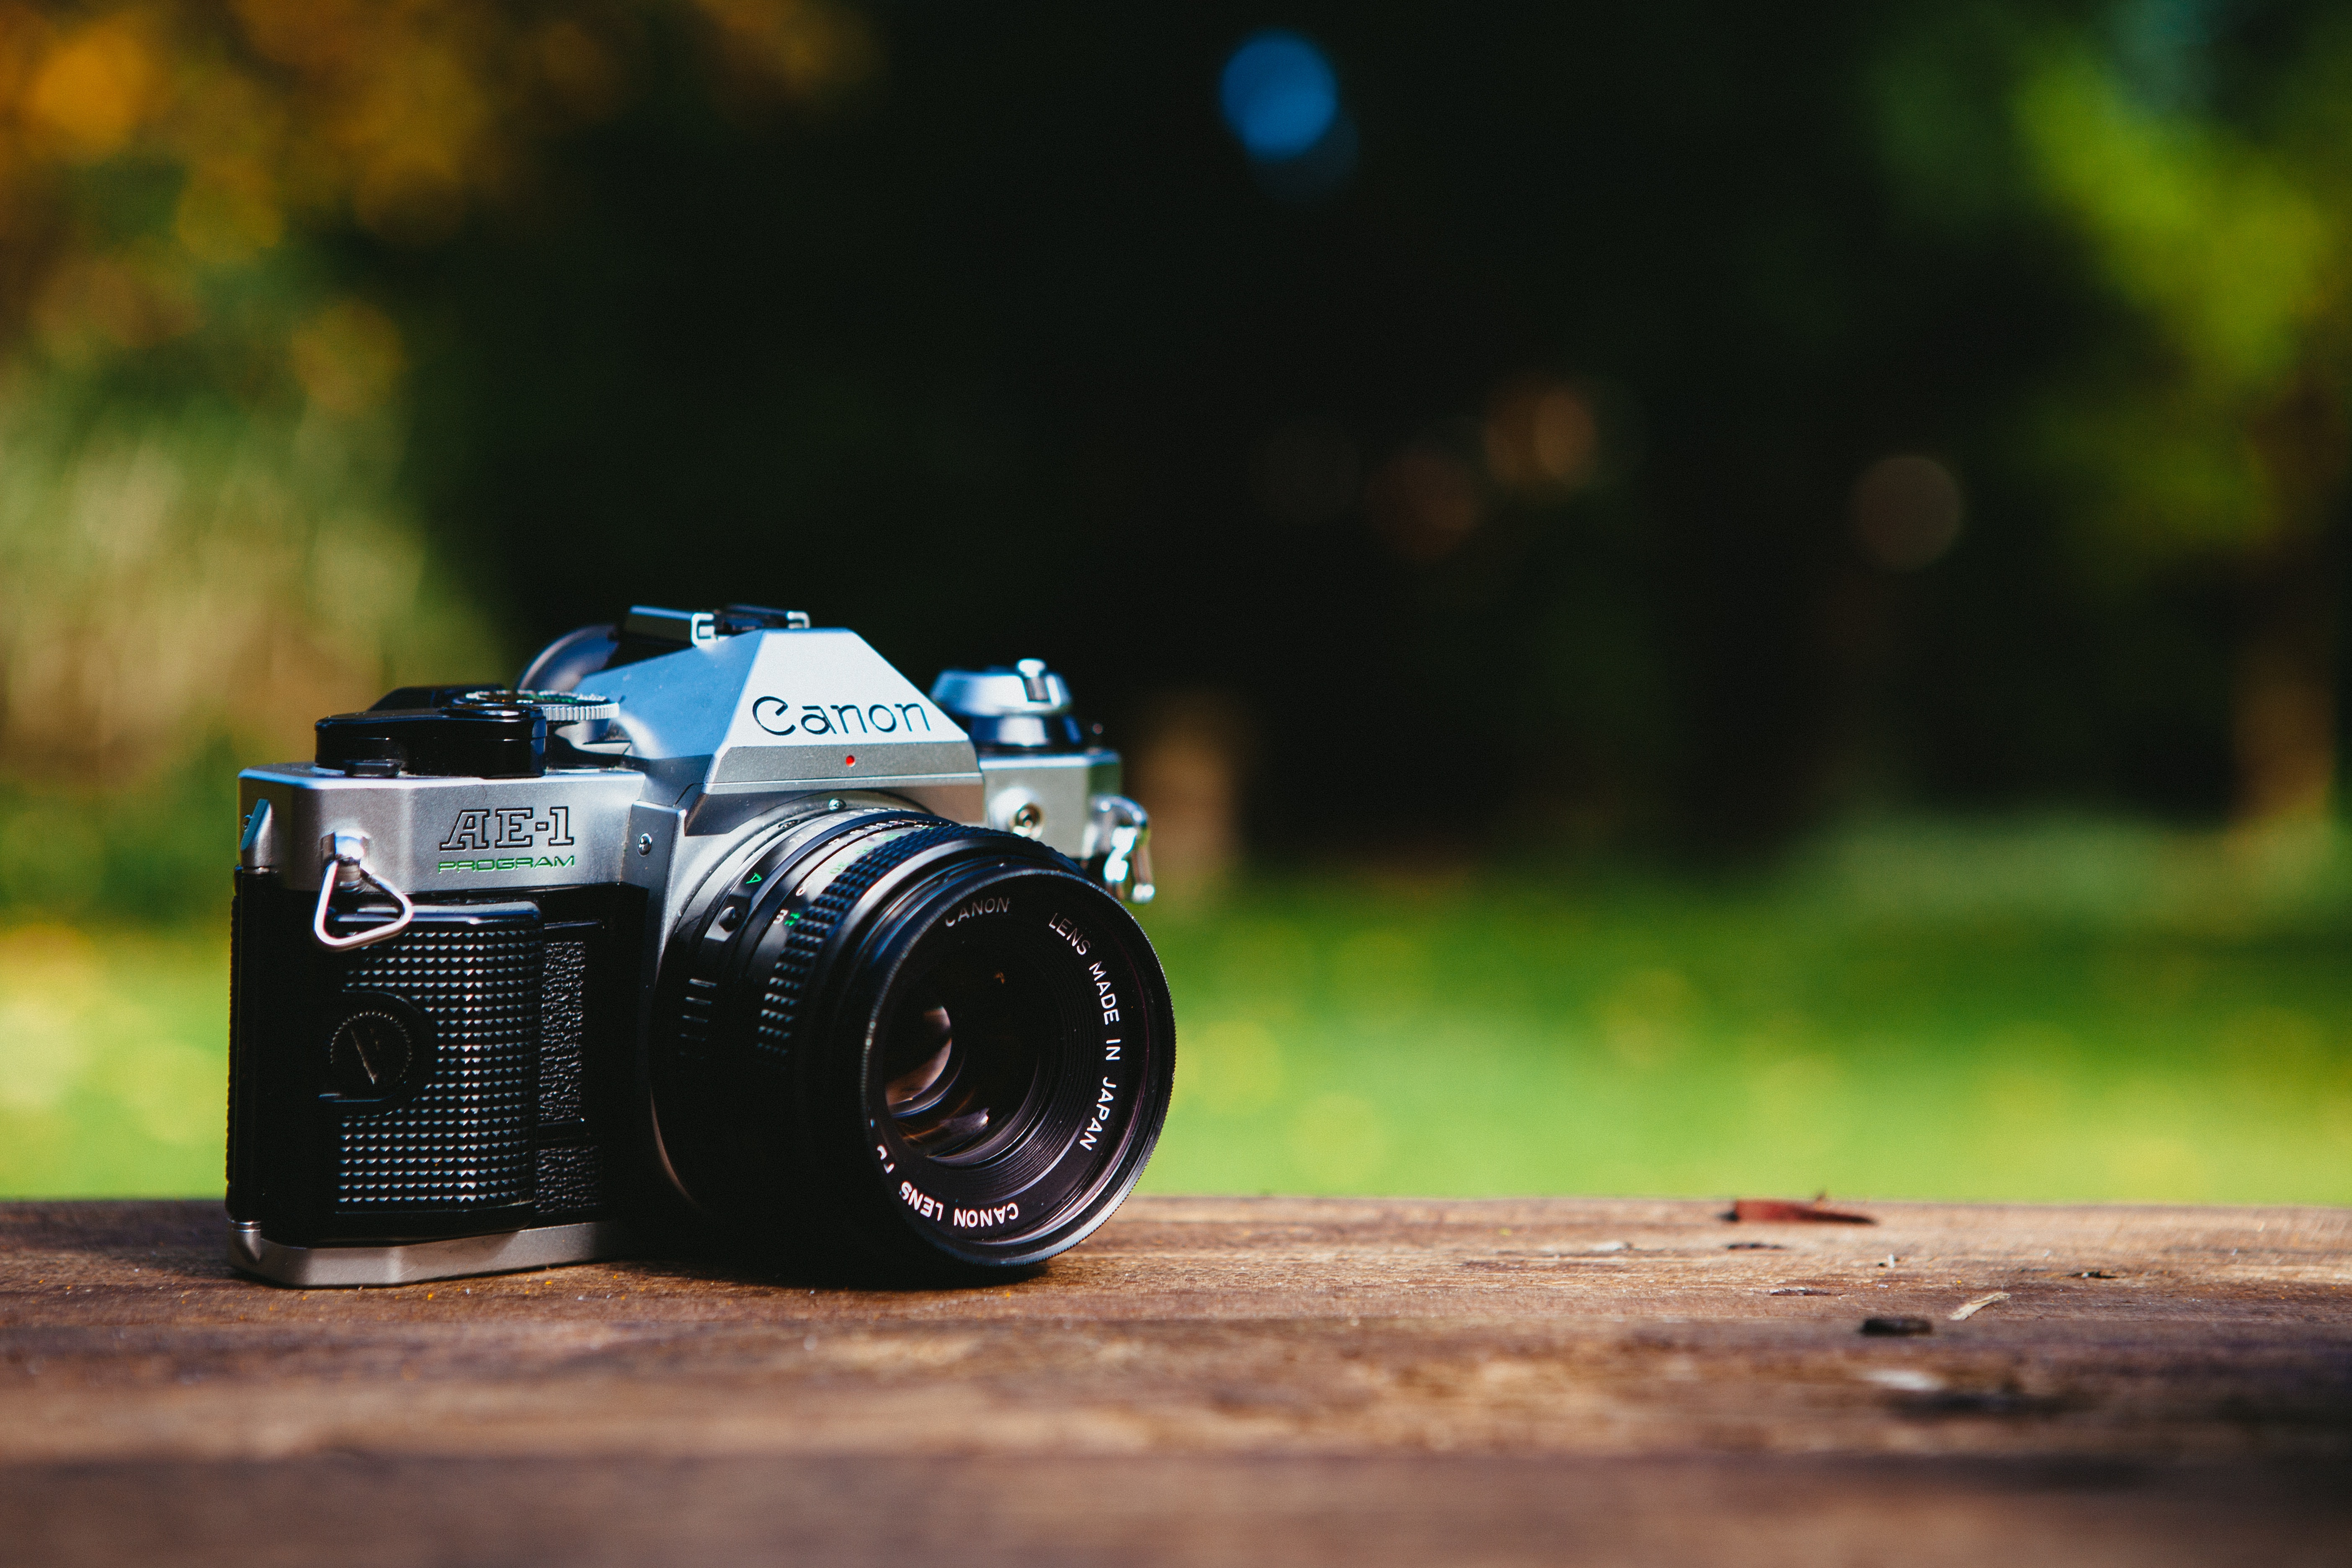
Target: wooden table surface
<point>1216,1381</point>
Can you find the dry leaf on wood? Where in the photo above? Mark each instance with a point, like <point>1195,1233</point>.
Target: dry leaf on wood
<point>1784,1211</point>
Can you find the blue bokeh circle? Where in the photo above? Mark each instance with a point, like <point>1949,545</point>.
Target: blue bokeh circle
<point>1279,93</point>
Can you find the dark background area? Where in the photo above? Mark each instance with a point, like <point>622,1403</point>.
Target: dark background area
<point>981,332</point>
<point>983,361</point>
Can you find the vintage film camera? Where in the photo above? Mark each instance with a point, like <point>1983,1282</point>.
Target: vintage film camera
<point>714,928</point>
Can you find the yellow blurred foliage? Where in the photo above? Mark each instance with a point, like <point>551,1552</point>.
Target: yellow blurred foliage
<point>159,584</point>
<point>788,47</point>
<point>93,87</point>
<point>348,356</point>
<point>403,116</point>
<point>216,544</point>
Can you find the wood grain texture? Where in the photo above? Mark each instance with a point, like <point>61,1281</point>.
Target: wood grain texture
<point>1214,1381</point>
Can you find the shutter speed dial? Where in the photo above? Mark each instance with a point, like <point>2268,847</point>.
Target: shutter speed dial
<point>560,707</point>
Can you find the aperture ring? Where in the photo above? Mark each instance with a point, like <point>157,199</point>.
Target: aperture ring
<point>709,954</point>
<point>717,957</point>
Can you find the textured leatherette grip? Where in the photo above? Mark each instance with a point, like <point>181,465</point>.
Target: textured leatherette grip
<point>464,1141</point>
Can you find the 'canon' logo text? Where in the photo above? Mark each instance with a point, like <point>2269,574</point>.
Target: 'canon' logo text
<point>996,904</point>
<point>775,715</point>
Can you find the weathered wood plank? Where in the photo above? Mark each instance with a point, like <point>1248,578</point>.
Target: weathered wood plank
<point>1346,1379</point>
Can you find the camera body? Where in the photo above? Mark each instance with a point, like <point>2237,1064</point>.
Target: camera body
<point>717,922</point>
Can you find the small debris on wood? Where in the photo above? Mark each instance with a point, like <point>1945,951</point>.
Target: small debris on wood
<point>1798,1291</point>
<point>2096,1274</point>
<point>1897,1326</point>
<point>1784,1211</point>
<point>1967,1310</point>
<point>1903,1379</point>
<point>1753,1247</point>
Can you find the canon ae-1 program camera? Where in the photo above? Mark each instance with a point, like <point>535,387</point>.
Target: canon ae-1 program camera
<point>713,926</point>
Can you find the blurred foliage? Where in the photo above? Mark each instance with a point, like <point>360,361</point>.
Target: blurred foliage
<point>1695,422</point>
<point>2197,157</point>
<point>113,1049</point>
<point>2047,1011</point>
<point>2058,1010</point>
<point>2228,238</point>
<point>208,534</point>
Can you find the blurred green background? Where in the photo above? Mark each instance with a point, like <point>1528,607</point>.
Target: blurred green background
<point>2062,1009</point>
<point>1705,602</point>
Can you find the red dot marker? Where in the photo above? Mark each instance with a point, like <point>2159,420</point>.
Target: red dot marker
<point>849,761</point>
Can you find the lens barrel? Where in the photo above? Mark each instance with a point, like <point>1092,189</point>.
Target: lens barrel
<point>933,1045</point>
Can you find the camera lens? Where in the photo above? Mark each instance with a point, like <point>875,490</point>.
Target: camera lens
<point>962,1057</point>
<point>932,1043</point>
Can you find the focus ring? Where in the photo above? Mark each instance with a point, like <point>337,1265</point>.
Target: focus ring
<point>787,986</point>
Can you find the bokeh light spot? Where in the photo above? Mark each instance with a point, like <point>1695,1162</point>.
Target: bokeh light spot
<point>1541,434</point>
<point>1279,95</point>
<point>1425,501</point>
<point>1907,511</point>
<point>94,89</point>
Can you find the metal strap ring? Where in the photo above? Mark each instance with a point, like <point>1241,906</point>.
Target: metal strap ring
<point>331,875</point>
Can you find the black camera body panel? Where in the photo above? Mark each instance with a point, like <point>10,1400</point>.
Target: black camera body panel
<point>511,1106</point>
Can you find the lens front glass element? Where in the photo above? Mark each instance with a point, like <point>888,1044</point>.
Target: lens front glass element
<point>967,1058</point>
<point>1017,1068</point>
